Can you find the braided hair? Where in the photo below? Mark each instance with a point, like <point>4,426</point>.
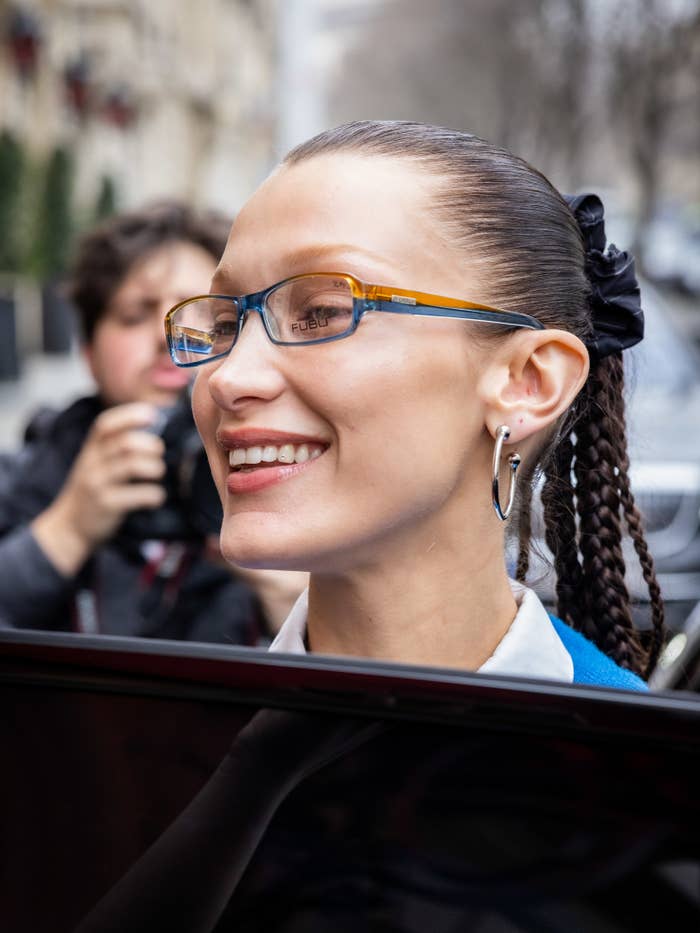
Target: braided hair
<point>587,499</point>
<point>526,246</point>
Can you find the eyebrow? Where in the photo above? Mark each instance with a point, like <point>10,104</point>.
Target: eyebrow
<point>303,259</point>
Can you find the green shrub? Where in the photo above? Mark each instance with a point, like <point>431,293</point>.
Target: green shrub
<point>12,161</point>
<point>55,227</point>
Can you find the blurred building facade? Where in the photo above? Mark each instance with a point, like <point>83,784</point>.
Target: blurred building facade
<point>163,98</point>
<point>107,104</point>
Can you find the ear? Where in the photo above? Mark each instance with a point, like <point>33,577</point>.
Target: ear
<point>532,381</point>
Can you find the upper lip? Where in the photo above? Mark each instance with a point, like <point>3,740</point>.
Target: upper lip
<point>262,437</point>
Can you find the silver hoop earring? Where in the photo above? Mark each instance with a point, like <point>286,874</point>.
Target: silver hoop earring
<point>502,434</point>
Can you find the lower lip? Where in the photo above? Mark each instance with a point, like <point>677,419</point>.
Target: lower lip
<point>262,477</point>
<point>169,378</point>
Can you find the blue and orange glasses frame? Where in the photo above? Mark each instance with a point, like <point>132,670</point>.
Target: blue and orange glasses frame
<point>311,308</point>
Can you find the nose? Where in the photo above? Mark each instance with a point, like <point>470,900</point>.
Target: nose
<point>250,372</point>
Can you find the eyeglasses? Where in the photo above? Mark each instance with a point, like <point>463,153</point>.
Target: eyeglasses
<point>305,309</point>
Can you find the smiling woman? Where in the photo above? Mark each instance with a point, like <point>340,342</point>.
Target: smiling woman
<point>380,463</point>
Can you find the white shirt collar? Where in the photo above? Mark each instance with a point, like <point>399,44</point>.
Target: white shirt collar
<point>530,647</point>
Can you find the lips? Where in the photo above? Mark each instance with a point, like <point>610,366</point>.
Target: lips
<point>259,458</point>
<point>169,376</point>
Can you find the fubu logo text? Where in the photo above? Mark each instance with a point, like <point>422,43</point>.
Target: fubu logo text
<point>311,324</point>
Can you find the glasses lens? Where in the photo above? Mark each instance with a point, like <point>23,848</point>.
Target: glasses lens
<point>314,307</point>
<point>203,328</point>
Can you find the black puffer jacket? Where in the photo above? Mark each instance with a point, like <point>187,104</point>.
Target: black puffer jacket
<point>129,587</point>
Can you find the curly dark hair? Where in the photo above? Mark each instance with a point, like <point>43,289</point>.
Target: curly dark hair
<point>531,258</point>
<point>107,253</point>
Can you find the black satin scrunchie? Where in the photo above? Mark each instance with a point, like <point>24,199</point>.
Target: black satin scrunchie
<point>618,319</point>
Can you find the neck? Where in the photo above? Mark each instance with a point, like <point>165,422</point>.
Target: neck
<point>433,602</point>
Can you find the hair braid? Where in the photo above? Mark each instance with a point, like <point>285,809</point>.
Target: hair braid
<point>605,612</point>
<point>633,519</point>
<point>524,531</point>
<point>560,528</point>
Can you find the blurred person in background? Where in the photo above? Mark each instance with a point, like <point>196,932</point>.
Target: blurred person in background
<point>108,517</point>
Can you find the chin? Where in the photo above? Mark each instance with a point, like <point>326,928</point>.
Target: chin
<point>252,558</point>
<point>164,397</point>
<point>303,541</point>
<point>150,395</point>
<point>248,544</point>
<point>245,544</point>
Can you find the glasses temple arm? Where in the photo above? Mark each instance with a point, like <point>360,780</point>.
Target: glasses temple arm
<point>488,316</point>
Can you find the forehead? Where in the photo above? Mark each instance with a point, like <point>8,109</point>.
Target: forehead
<point>170,263</point>
<point>308,216</point>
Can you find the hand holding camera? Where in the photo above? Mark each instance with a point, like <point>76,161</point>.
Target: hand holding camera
<point>119,470</point>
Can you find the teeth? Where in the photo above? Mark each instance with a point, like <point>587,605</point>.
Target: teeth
<point>287,453</point>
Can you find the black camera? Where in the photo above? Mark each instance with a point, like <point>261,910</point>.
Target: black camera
<point>192,509</point>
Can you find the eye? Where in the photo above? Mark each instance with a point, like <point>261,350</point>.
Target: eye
<point>132,317</point>
<point>321,312</point>
<point>223,331</point>
<point>311,308</point>
<point>224,327</point>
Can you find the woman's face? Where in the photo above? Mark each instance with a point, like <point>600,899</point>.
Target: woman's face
<point>392,410</point>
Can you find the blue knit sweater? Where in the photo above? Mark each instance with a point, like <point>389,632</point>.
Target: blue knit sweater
<point>591,666</point>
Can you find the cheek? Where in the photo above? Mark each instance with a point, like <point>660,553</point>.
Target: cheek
<point>113,366</point>
<point>200,398</point>
<point>122,353</point>
<point>408,421</point>
<point>206,418</point>
<point>126,352</point>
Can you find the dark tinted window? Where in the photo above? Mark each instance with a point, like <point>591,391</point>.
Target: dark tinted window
<point>477,804</point>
